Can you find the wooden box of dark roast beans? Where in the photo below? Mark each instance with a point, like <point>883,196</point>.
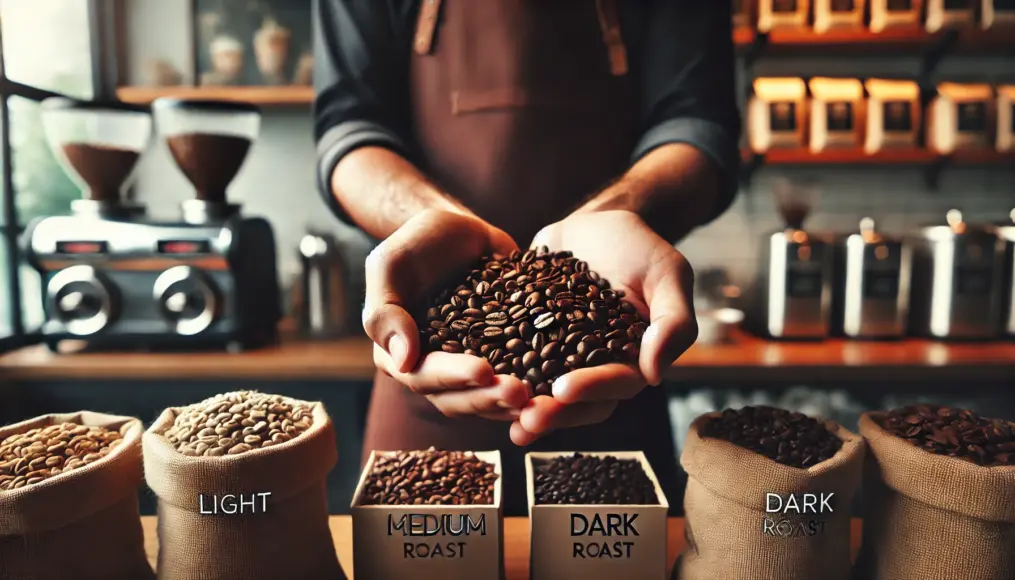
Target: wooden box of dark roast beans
<point>429,514</point>
<point>595,515</point>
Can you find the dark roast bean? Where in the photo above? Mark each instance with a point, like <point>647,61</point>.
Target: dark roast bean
<point>958,433</point>
<point>545,320</point>
<point>789,438</point>
<point>452,347</point>
<point>590,480</point>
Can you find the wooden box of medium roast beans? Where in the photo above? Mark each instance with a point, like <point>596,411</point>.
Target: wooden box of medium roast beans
<point>595,515</point>
<point>429,514</point>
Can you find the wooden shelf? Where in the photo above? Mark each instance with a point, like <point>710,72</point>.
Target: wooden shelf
<point>746,358</point>
<point>266,96</point>
<point>884,157</point>
<point>517,542</point>
<point>864,40</point>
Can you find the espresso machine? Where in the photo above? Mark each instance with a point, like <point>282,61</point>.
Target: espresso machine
<point>796,276</point>
<point>956,287</point>
<point>119,280</point>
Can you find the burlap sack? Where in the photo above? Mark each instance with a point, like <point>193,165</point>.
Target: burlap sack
<point>929,516</point>
<point>290,541</point>
<point>83,524</point>
<point>725,518</point>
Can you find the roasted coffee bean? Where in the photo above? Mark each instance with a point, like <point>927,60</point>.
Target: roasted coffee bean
<point>959,433</point>
<point>36,455</point>
<point>238,422</point>
<point>429,477</point>
<point>590,480</point>
<point>546,303</point>
<point>788,438</point>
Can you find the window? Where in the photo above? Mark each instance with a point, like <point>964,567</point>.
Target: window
<point>46,47</point>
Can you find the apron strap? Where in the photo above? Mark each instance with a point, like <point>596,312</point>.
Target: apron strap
<point>609,21</point>
<point>606,10</point>
<point>427,26</point>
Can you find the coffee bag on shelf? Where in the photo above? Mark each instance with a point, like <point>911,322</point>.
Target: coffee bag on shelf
<point>69,509</point>
<point>949,14</point>
<point>929,516</point>
<point>892,14</point>
<point>749,516</point>
<point>829,14</point>
<point>776,114</point>
<point>893,114</point>
<point>773,14</point>
<point>1006,118</point>
<point>996,13</point>
<point>959,117</point>
<point>240,480</point>
<point>837,113</point>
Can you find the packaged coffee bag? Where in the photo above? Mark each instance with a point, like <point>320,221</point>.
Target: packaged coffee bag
<point>241,485</point>
<point>929,516</point>
<point>68,499</point>
<point>749,517</point>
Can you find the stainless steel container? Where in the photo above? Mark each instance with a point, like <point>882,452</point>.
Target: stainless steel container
<point>322,293</point>
<point>797,284</point>
<point>956,286</point>
<point>1006,235</point>
<point>872,284</point>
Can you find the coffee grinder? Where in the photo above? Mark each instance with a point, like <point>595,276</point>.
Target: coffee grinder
<point>117,279</point>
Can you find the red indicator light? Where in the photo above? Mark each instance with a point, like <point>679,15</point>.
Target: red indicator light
<point>81,247</point>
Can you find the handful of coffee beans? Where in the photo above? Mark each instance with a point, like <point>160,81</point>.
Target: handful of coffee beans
<point>955,433</point>
<point>429,477</point>
<point>592,480</point>
<point>785,437</point>
<point>238,422</point>
<point>535,315</point>
<point>36,455</point>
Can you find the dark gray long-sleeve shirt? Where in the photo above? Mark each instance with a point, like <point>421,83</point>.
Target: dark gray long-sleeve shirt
<point>680,53</point>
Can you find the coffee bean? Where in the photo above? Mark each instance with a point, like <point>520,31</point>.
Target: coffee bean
<point>589,480</point>
<point>238,422</point>
<point>31,457</point>
<point>546,302</point>
<point>429,477</point>
<point>788,438</point>
<point>544,320</point>
<point>958,433</point>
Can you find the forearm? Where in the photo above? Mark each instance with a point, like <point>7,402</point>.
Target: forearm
<point>380,190</point>
<point>674,188</point>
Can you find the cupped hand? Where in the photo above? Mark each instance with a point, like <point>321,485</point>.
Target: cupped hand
<point>656,279</point>
<point>414,260</point>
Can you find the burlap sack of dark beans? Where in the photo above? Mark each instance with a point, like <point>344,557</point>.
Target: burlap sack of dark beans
<point>290,541</point>
<point>929,516</point>
<point>82,524</point>
<point>725,503</point>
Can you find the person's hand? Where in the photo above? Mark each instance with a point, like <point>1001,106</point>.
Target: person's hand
<point>656,279</point>
<point>416,259</point>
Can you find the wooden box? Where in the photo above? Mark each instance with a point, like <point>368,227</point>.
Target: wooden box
<point>588,542</point>
<point>439,542</point>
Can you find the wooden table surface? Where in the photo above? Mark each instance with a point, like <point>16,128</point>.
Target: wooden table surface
<point>516,543</point>
<point>746,358</point>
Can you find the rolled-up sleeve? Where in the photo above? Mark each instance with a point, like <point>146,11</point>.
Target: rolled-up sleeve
<point>687,82</point>
<point>361,51</point>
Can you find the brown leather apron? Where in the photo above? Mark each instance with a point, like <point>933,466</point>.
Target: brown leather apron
<point>522,108</point>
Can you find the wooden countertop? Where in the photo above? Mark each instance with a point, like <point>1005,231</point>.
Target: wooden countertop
<point>746,359</point>
<point>516,543</point>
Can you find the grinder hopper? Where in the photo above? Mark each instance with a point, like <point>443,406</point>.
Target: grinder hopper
<point>98,144</point>
<point>209,141</point>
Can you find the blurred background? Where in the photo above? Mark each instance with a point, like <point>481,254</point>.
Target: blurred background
<point>783,344</point>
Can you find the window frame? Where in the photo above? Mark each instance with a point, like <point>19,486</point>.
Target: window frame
<point>103,50</point>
